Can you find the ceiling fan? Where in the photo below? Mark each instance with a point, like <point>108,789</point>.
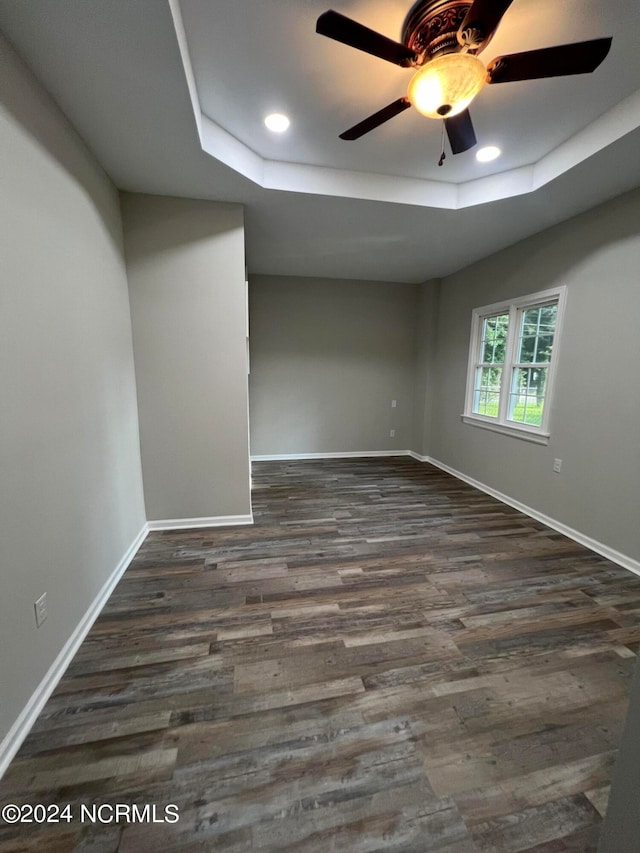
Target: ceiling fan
<point>441,39</point>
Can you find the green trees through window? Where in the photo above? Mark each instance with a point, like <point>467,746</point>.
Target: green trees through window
<point>529,381</point>
<point>510,374</point>
<point>489,371</point>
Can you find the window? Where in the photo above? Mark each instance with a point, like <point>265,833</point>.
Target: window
<point>512,361</point>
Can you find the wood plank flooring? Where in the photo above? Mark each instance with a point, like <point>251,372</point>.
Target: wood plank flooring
<point>388,660</point>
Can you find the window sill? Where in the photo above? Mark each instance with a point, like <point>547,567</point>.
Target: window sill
<point>537,437</point>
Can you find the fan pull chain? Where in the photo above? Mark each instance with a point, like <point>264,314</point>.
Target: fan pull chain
<point>443,156</point>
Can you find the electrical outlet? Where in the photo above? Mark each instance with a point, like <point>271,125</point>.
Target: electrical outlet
<point>40,607</point>
<point>557,466</point>
<point>394,403</point>
<point>392,433</point>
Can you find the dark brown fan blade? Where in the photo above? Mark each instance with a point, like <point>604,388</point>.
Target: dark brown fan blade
<point>376,119</point>
<point>336,26</point>
<point>565,59</point>
<point>485,15</point>
<point>460,131</point>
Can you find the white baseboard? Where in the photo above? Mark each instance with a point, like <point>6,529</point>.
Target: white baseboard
<point>361,454</point>
<point>581,538</point>
<point>186,523</point>
<point>22,726</point>
<point>417,456</point>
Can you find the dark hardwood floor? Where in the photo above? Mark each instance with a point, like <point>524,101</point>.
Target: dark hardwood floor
<point>388,660</point>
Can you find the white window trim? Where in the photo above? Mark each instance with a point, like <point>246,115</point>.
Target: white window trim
<point>538,435</point>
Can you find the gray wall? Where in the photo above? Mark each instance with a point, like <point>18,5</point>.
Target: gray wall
<point>425,365</point>
<point>185,261</point>
<point>327,359</point>
<point>70,486</point>
<point>595,419</point>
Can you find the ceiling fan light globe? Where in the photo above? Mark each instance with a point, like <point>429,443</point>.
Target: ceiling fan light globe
<point>446,85</point>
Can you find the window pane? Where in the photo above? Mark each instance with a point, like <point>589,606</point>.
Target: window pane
<point>526,398</point>
<point>527,349</point>
<point>486,394</point>
<point>544,348</point>
<point>536,334</point>
<point>548,315</point>
<point>494,339</point>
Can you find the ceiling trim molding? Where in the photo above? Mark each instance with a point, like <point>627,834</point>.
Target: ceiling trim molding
<point>323,180</point>
<point>181,35</point>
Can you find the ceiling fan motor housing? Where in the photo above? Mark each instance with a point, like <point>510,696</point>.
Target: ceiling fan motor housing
<point>431,27</point>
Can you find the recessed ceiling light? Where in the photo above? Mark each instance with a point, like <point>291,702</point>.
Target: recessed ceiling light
<point>277,122</point>
<point>487,154</point>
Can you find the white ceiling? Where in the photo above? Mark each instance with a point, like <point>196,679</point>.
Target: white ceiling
<point>118,71</point>
<point>326,87</point>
